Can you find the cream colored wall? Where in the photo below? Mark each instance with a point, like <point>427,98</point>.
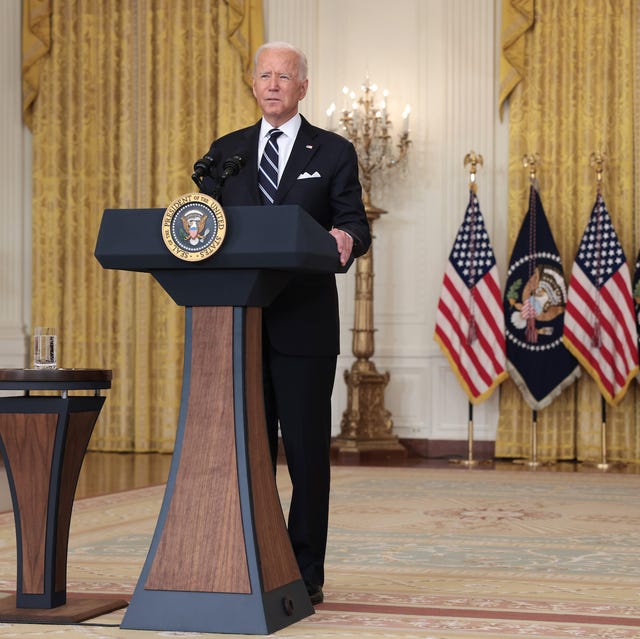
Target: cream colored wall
<point>15,216</point>
<point>440,56</point>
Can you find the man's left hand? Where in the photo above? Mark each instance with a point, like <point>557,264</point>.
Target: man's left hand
<point>344,242</point>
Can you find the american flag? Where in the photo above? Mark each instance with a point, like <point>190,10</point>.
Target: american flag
<point>636,297</point>
<point>469,320</point>
<point>600,325</point>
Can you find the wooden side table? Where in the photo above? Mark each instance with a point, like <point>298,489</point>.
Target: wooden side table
<point>43,440</point>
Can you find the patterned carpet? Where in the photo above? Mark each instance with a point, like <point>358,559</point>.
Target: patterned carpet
<point>413,553</point>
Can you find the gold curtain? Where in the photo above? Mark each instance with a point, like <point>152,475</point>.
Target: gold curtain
<point>122,98</point>
<point>570,72</point>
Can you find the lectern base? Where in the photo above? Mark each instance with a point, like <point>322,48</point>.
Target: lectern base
<point>220,559</point>
<point>232,613</point>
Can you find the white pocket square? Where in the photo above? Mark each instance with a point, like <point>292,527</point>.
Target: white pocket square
<point>306,176</point>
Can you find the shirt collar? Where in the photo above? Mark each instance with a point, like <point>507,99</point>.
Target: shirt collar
<point>290,128</point>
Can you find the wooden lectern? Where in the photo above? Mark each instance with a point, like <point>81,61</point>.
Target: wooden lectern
<point>220,559</point>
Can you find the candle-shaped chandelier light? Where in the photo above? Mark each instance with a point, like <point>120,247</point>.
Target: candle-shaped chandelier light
<point>364,120</point>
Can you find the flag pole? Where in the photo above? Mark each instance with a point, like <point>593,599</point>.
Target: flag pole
<point>531,162</point>
<point>473,160</point>
<point>533,462</point>
<point>603,465</point>
<point>470,317</point>
<point>596,160</point>
<point>469,461</point>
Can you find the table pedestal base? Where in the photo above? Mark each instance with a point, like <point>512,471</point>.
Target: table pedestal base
<point>43,440</point>
<point>76,609</point>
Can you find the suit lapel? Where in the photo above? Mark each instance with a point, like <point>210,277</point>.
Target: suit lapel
<point>304,148</point>
<point>251,165</point>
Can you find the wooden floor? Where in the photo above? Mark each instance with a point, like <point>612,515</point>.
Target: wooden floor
<point>104,473</point>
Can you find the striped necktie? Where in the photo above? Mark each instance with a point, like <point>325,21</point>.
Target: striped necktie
<point>268,172</point>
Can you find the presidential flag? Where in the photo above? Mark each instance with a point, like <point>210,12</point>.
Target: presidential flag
<point>636,298</point>
<point>534,303</point>
<point>600,324</point>
<point>469,322</point>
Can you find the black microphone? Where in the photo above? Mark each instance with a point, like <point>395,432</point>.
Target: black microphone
<point>232,166</point>
<point>201,168</point>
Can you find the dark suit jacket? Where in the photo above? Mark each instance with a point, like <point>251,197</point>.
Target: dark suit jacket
<point>303,320</point>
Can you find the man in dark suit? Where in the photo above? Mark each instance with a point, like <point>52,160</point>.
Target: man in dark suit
<point>317,170</point>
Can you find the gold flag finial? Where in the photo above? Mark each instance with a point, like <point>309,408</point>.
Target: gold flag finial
<point>531,162</point>
<point>597,161</point>
<point>473,159</point>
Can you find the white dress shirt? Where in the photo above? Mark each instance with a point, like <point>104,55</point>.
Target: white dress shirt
<point>285,141</point>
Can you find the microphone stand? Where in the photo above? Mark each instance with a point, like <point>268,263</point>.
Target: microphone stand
<point>197,179</point>
<point>217,190</point>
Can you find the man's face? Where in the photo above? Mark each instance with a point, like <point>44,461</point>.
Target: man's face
<point>276,85</point>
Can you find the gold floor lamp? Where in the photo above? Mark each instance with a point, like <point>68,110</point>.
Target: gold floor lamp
<point>366,428</point>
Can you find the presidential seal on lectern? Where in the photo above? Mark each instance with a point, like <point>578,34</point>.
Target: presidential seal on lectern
<point>193,227</point>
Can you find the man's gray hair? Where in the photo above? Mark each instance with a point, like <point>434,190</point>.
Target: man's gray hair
<point>302,58</point>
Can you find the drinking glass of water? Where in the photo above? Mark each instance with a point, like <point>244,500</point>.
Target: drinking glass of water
<point>44,347</point>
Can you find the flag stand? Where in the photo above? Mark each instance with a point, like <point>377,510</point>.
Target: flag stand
<point>470,318</point>
<point>470,461</point>
<point>597,160</point>
<point>473,160</point>
<point>533,462</point>
<point>601,275</point>
<point>603,465</point>
<point>531,162</point>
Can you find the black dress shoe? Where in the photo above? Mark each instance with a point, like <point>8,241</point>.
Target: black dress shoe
<point>315,594</point>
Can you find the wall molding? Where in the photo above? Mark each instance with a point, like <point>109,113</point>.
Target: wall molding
<point>15,212</point>
<point>450,80</point>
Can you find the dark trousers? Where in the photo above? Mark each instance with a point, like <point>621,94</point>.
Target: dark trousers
<point>298,397</point>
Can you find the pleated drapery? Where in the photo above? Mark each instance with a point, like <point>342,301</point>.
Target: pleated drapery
<point>570,70</point>
<point>122,98</point>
